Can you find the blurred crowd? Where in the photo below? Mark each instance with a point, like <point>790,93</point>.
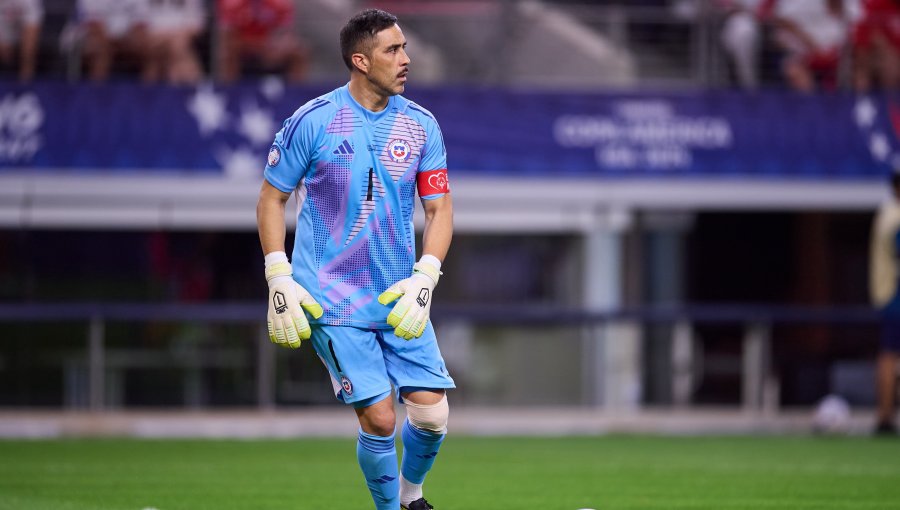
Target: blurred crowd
<point>158,40</point>
<point>821,44</point>
<point>814,44</point>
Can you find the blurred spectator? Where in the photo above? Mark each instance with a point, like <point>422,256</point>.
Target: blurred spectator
<point>173,27</point>
<point>111,29</point>
<point>877,46</point>
<point>20,26</point>
<point>261,30</point>
<point>813,34</point>
<point>883,274</point>
<point>741,37</point>
<point>182,265</point>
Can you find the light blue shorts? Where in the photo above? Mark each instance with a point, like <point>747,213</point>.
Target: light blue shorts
<point>365,363</point>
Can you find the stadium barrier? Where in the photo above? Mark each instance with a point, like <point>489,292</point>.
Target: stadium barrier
<point>759,386</point>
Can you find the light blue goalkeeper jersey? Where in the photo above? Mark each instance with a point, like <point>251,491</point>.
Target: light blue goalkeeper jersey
<point>354,173</point>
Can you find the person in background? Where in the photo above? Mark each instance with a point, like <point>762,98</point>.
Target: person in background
<point>262,30</point>
<point>883,274</point>
<point>111,30</point>
<point>173,28</point>
<point>741,36</point>
<point>876,45</point>
<point>813,35</point>
<point>20,28</point>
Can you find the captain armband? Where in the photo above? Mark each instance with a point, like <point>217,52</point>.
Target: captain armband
<point>433,182</point>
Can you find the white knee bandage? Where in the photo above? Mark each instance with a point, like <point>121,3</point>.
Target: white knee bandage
<point>432,418</point>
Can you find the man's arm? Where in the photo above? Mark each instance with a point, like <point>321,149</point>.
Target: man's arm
<point>791,27</point>
<point>410,315</point>
<point>438,226</point>
<point>287,323</point>
<point>28,51</point>
<point>270,218</point>
<point>882,271</point>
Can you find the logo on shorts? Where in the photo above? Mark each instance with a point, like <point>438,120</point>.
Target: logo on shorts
<point>347,385</point>
<point>274,155</point>
<point>399,150</point>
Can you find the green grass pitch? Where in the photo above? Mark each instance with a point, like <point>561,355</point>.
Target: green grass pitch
<point>603,473</point>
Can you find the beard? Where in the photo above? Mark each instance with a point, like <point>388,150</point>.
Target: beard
<point>386,84</point>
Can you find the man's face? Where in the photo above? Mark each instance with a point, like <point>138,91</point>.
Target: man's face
<point>388,62</point>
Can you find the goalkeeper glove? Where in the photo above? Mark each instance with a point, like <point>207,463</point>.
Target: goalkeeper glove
<point>410,315</point>
<point>287,323</point>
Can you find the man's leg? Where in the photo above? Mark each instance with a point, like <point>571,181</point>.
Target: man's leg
<point>377,454</point>
<point>355,363</point>
<point>887,379</point>
<point>417,370</point>
<point>423,432</point>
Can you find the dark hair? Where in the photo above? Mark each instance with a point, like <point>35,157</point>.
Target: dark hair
<point>361,29</point>
<point>895,179</point>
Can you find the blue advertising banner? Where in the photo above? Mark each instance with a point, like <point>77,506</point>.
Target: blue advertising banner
<point>132,128</point>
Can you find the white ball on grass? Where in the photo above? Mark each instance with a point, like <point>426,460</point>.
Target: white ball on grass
<point>832,415</point>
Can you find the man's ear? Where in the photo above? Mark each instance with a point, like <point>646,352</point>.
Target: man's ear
<point>360,62</point>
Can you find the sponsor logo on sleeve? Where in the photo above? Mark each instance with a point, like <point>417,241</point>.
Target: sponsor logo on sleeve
<point>274,155</point>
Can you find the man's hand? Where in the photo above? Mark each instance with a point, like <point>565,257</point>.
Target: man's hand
<point>410,315</point>
<point>287,299</point>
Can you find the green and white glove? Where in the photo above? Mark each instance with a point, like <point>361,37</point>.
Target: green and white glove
<point>410,315</point>
<point>287,299</point>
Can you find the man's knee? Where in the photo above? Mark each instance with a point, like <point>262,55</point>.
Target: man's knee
<point>381,428</point>
<point>432,417</point>
<point>378,419</point>
<point>381,425</point>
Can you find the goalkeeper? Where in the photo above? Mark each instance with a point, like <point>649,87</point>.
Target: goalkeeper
<point>355,157</point>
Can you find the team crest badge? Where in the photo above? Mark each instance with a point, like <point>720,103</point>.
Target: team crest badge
<point>274,155</point>
<point>347,385</point>
<point>399,150</point>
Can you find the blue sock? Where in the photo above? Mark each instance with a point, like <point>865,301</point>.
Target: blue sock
<point>420,447</point>
<point>377,457</point>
